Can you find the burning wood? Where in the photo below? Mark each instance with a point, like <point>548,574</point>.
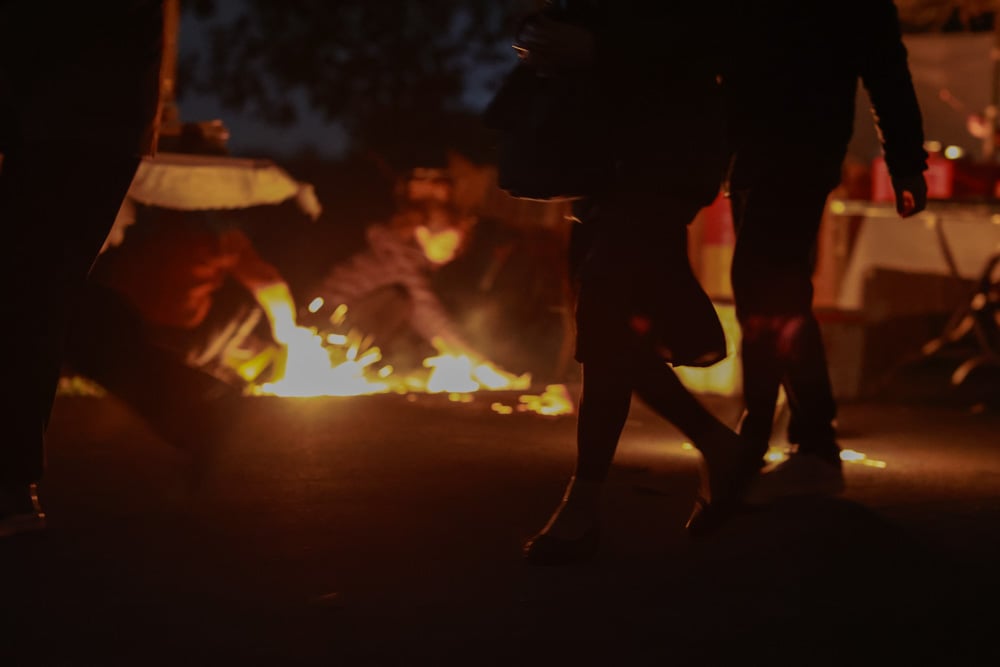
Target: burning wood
<point>348,364</point>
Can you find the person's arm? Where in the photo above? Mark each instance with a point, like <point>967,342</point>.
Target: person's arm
<point>266,283</point>
<point>885,74</point>
<point>432,321</point>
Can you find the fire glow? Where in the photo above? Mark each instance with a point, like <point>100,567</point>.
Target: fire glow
<point>776,455</point>
<point>335,364</point>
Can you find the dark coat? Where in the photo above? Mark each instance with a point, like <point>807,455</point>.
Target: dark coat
<point>791,77</point>
<point>80,75</point>
<point>658,66</point>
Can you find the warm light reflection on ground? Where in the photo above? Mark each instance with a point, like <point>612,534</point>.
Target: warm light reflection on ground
<point>776,455</point>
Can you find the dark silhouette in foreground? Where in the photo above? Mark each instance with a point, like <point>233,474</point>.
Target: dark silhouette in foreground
<point>79,96</point>
<point>790,78</point>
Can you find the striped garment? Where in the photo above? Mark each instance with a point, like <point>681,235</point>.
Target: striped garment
<point>389,260</point>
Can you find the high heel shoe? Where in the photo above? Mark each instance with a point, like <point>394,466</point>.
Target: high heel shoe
<point>725,484</point>
<point>547,549</point>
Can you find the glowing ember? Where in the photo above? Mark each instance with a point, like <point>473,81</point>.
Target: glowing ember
<point>556,400</point>
<point>308,372</point>
<point>339,364</point>
<point>851,456</point>
<point>450,373</point>
<point>491,377</point>
<point>776,455</point>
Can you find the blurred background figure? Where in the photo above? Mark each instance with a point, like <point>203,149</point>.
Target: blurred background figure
<point>384,290</point>
<point>170,298</point>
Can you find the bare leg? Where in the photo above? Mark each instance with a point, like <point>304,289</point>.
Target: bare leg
<point>762,373</point>
<point>603,409</point>
<point>723,453</point>
<point>659,387</point>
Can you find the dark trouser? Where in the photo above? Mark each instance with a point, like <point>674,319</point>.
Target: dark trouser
<point>109,344</point>
<point>56,208</point>
<point>773,262</point>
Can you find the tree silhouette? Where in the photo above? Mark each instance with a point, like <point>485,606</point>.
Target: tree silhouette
<point>390,71</point>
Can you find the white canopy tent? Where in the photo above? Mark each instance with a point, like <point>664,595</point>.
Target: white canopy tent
<point>187,182</point>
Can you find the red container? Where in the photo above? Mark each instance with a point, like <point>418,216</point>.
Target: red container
<point>940,177</point>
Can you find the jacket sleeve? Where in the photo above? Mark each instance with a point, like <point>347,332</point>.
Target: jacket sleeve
<point>249,268</point>
<point>886,76</point>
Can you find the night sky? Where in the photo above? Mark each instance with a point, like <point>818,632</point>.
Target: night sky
<point>250,137</point>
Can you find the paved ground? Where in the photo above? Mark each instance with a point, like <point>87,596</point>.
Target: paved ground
<point>383,531</point>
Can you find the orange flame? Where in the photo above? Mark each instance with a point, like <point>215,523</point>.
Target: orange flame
<point>337,364</point>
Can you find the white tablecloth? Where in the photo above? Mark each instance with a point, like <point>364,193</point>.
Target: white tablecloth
<point>200,182</point>
<point>886,241</point>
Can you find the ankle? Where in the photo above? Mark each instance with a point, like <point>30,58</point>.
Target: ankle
<point>583,493</point>
<point>578,511</point>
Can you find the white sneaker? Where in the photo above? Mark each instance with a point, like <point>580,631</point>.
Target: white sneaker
<point>799,475</point>
<point>20,512</point>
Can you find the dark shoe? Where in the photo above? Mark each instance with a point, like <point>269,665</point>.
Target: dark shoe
<point>545,549</point>
<point>802,474</point>
<point>19,510</point>
<point>729,481</point>
<point>757,438</point>
<point>704,518</point>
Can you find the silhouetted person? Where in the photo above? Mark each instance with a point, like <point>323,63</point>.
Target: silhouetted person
<point>79,93</point>
<point>791,80</point>
<point>639,307</point>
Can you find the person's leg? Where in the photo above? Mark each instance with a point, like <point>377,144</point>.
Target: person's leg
<point>108,343</point>
<point>751,284</point>
<point>812,427</point>
<point>603,346</point>
<point>572,531</point>
<point>772,286</point>
<point>728,466</point>
<point>58,208</point>
<point>657,385</point>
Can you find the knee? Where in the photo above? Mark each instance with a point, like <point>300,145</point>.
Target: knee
<point>783,334</point>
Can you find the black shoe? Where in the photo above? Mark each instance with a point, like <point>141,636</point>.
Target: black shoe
<point>801,474</point>
<point>709,514</point>
<point>757,439</point>
<point>546,549</point>
<point>19,510</point>
<point>707,517</point>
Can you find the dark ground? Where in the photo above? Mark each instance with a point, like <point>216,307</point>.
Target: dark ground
<point>386,531</point>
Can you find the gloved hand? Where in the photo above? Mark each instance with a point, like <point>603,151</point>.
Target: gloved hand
<point>911,194</point>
